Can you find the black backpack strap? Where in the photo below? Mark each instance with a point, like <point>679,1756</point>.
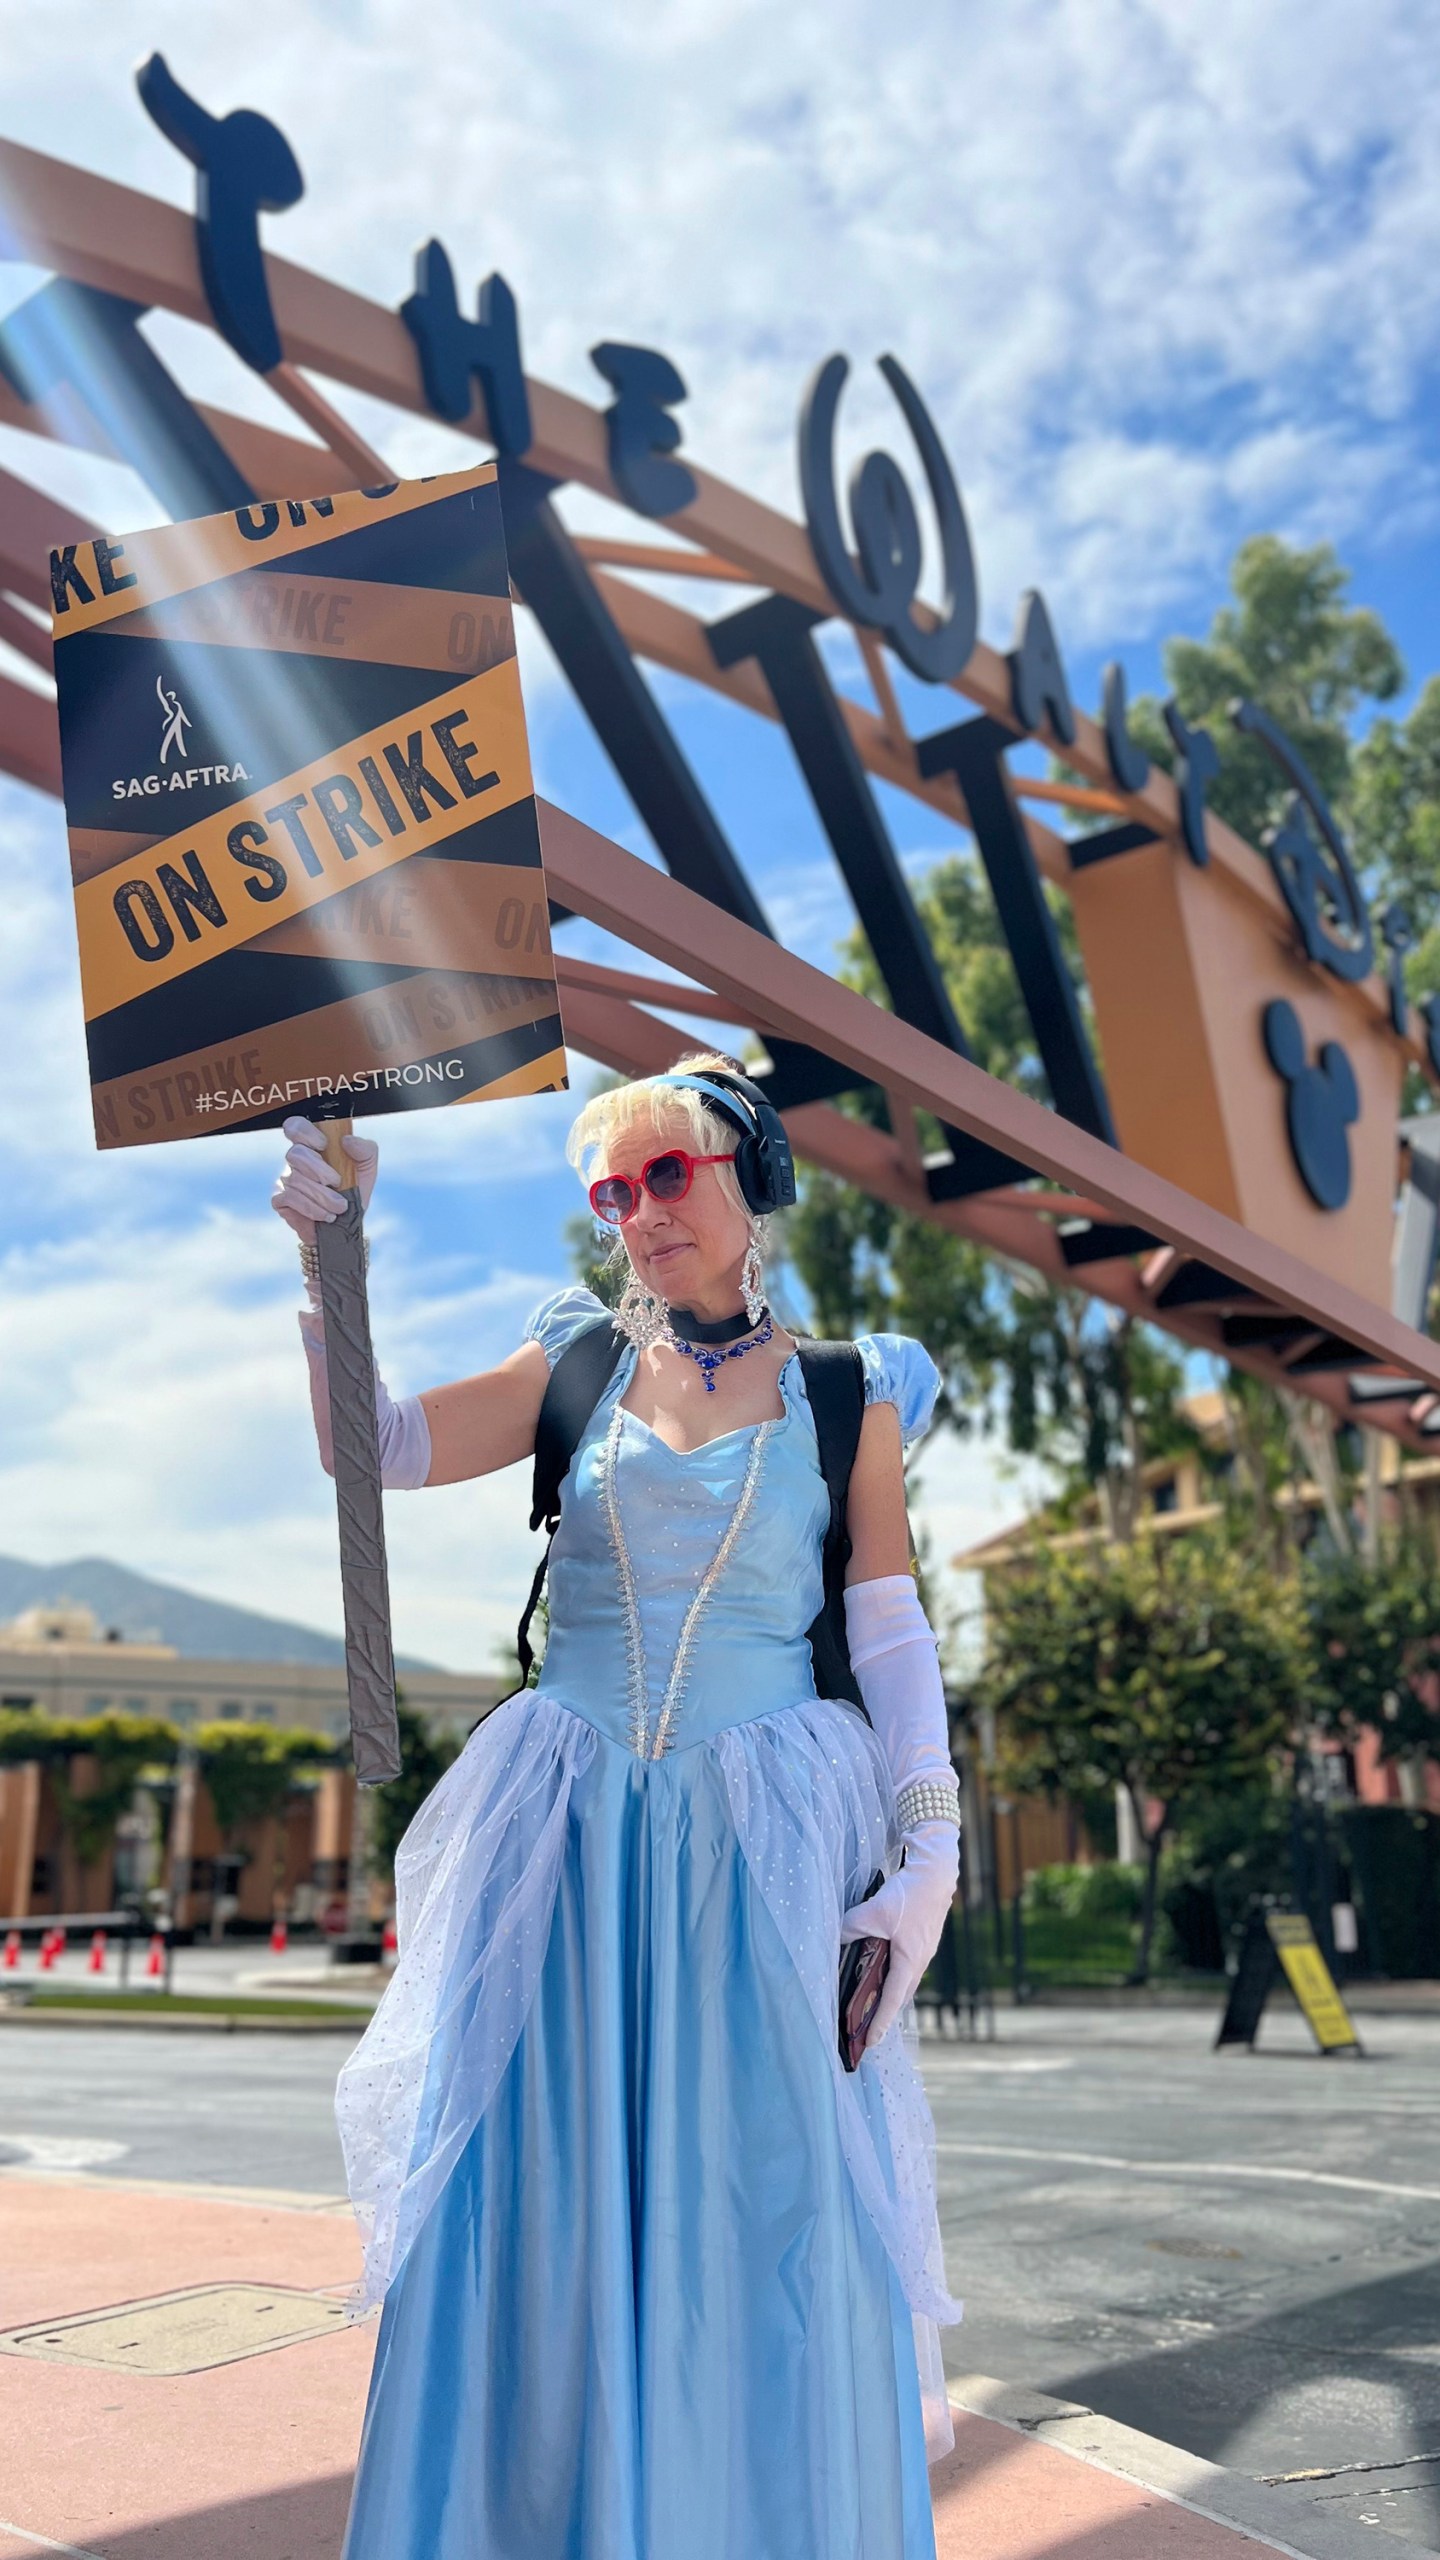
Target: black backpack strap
<point>834,1376</point>
<point>576,1383</point>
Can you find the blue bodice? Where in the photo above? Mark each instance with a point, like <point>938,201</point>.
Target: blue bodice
<point>682,1582</point>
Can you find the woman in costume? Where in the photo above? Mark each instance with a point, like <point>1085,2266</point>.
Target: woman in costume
<point>660,2277</point>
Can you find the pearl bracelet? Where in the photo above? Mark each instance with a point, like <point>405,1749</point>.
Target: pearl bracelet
<point>933,1799</point>
<point>310,1261</point>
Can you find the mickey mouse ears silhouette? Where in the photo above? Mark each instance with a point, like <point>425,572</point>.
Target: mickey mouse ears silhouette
<point>1321,1102</point>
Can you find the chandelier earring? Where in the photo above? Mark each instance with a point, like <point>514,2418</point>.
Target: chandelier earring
<point>752,1280</point>
<point>640,1315</point>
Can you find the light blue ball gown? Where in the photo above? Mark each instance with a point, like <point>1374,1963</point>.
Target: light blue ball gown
<point>660,2279</point>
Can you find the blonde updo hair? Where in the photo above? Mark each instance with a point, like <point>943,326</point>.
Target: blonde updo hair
<point>666,1108</point>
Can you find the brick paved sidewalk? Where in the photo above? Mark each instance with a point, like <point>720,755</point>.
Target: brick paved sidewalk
<point>117,2448</point>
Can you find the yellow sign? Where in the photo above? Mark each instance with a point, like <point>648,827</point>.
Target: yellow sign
<point>1308,1975</point>
<point>303,835</point>
<point>302,840</point>
<point>98,582</point>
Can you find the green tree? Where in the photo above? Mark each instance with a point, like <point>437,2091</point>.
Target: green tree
<point>1376,1631</point>
<point>250,1769</point>
<point>424,1759</point>
<point>1063,1377</point>
<point>28,1734</point>
<point>593,1260</point>
<point>1290,642</point>
<point>1280,1444</point>
<point>1067,1379</point>
<point>121,1749</point>
<point>1395,797</point>
<point>867,1267</point>
<point>959,917</point>
<point>1173,1667</point>
<point>1226,1853</point>
<point>1096,1394</point>
<point>1395,800</point>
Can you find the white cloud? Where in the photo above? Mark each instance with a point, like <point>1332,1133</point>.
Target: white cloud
<point>1088,226</point>
<point>1164,275</point>
<point>156,1410</point>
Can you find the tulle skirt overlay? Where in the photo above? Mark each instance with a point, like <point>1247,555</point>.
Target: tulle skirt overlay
<point>659,2277</point>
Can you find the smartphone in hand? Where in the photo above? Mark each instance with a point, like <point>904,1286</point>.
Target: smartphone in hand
<point>864,1964</point>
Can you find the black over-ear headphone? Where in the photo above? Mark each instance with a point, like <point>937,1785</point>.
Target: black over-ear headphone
<point>764,1166</point>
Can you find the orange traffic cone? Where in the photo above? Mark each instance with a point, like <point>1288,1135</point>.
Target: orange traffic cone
<point>155,1961</point>
<point>52,1945</point>
<point>10,1963</point>
<point>97,1952</point>
<point>279,1937</point>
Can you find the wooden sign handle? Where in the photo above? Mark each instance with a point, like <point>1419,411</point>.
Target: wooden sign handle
<point>341,1165</point>
<point>369,1660</point>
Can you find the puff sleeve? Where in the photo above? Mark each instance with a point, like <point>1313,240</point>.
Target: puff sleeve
<point>557,1320</point>
<point>900,1372</point>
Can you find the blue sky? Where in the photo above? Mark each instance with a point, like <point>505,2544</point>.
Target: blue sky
<point>1166,278</point>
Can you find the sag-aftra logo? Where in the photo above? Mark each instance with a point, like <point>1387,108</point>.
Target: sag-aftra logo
<point>175,720</point>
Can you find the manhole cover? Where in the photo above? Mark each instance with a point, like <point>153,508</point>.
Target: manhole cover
<point>180,2332</point>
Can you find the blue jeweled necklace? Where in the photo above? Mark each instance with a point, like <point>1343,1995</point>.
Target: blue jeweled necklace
<point>707,1355</point>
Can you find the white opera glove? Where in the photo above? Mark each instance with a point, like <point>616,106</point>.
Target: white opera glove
<point>306,1196</point>
<point>910,1909</point>
<point>403,1430</point>
<point>896,1665</point>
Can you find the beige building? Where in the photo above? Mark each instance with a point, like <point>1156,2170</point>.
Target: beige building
<point>61,1662</point>
<point>1183,1492</point>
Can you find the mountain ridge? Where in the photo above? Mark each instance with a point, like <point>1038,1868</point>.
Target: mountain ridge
<point>141,1607</point>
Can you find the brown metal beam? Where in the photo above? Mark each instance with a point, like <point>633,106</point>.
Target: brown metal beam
<point>758,983</point>
<point>618,1035</point>
<point>101,233</point>
<point>656,914</point>
<point>30,639</point>
<point>110,236</point>
<point>590,977</point>
<point>30,526</point>
<point>659,559</point>
<point>655,629</point>
<point>280,466</point>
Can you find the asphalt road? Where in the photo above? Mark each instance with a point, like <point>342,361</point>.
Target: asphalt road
<point>1239,2253</point>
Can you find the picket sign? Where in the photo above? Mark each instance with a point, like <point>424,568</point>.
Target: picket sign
<point>311,712</point>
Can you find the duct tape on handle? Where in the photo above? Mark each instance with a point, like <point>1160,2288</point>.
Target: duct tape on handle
<point>369,1653</point>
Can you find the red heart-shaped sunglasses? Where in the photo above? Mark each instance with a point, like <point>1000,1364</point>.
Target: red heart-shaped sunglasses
<point>616,1196</point>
